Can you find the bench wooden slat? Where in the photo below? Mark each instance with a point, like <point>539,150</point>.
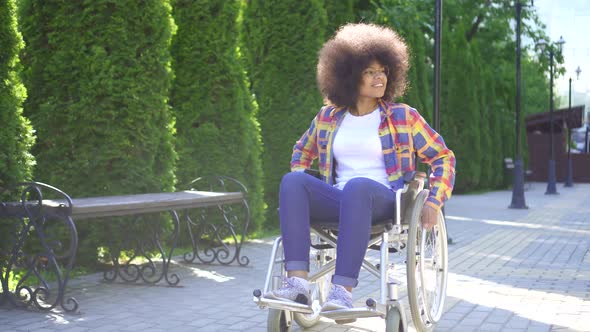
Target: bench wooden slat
<point>110,206</point>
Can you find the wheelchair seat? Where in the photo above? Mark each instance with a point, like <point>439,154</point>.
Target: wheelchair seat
<point>377,227</point>
<point>328,227</point>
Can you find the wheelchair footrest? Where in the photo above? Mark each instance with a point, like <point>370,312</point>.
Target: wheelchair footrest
<point>351,314</point>
<point>321,246</point>
<point>378,247</point>
<point>263,302</point>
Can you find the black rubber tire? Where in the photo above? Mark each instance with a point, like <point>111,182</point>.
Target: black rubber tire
<point>304,320</point>
<point>412,261</point>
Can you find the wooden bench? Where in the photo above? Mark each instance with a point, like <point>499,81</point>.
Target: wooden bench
<point>41,210</point>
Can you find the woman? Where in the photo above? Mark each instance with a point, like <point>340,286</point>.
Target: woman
<point>364,143</point>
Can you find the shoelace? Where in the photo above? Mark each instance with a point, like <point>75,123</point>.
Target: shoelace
<point>290,282</point>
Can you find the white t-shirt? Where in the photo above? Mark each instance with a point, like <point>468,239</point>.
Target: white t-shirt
<point>357,149</point>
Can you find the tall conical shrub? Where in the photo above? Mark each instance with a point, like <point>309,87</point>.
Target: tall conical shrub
<point>217,130</point>
<point>480,102</point>
<point>459,104</point>
<point>16,134</point>
<point>98,77</point>
<point>281,40</point>
<point>339,12</point>
<point>98,74</point>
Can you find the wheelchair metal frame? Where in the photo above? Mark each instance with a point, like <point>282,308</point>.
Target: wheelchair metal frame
<point>390,238</point>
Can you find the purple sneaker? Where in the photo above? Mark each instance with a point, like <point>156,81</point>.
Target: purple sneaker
<point>338,298</point>
<point>294,289</point>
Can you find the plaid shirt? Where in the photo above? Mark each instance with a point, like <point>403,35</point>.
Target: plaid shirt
<point>404,134</point>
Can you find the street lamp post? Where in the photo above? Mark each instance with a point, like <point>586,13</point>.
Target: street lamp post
<point>551,187</point>
<point>569,181</point>
<point>518,201</point>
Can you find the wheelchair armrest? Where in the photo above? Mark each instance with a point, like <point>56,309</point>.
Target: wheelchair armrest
<point>413,175</point>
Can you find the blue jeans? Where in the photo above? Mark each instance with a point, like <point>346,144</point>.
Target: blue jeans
<point>303,197</point>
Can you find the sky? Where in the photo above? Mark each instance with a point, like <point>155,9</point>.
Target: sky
<point>570,19</point>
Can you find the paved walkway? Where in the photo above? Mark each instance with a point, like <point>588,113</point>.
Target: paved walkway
<point>510,270</point>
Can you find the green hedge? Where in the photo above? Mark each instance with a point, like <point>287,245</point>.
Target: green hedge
<point>217,130</point>
<point>281,40</point>
<point>461,123</point>
<point>16,135</point>
<point>339,12</point>
<point>98,73</point>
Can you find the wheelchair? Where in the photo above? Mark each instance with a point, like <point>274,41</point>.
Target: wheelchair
<point>426,270</point>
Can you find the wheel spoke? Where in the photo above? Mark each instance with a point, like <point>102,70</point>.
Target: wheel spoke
<point>427,269</point>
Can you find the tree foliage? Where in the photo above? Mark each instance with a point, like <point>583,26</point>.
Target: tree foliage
<point>217,129</point>
<point>98,74</point>
<point>409,21</point>
<point>478,77</point>
<point>281,41</point>
<point>338,13</point>
<point>16,135</point>
<point>98,77</point>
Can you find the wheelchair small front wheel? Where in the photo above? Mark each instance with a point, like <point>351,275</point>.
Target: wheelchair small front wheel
<point>393,320</point>
<point>306,320</point>
<point>279,321</point>
<point>317,297</point>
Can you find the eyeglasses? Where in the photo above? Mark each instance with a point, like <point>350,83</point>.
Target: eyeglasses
<point>373,73</point>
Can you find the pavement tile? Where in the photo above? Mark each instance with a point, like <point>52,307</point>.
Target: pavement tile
<point>202,322</point>
<point>74,329</point>
<point>477,315</point>
<point>490,327</point>
<point>539,328</point>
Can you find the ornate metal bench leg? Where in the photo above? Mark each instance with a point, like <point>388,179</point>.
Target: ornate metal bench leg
<point>212,230</point>
<point>172,279</point>
<point>142,266</point>
<point>35,270</point>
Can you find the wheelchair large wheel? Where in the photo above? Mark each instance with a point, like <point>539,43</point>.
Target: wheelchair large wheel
<point>427,268</point>
<point>278,321</point>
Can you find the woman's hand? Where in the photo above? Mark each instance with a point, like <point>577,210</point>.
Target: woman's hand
<point>429,217</point>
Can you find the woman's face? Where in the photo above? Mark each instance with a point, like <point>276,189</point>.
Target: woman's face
<point>373,81</point>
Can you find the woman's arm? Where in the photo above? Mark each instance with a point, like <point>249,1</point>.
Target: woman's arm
<point>305,150</point>
<point>431,149</point>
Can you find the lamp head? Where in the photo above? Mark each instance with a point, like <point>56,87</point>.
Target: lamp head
<point>560,43</point>
<point>541,45</point>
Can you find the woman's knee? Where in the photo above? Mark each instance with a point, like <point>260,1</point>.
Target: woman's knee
<point>358,187</point>
<point>293,179</point>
